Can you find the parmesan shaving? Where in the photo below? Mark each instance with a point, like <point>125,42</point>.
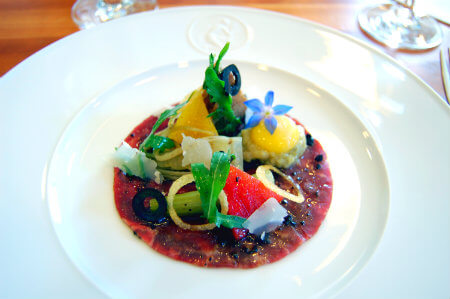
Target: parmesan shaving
<point>134,162</point>
<point>196,151</point>
<point>266,218</point>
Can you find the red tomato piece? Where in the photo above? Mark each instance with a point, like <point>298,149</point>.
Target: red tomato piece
<point>245,194</point>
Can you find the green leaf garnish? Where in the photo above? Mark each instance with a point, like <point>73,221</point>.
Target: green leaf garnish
<point>224,119</point>
<point>221,55</point>
<point>160,143</point>
<point>229,221</point>
<point>156,142</point>
<point>215,87</point>
<point>209,184</point>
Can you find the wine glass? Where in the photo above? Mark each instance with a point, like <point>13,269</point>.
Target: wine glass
<point>397,26</point>
<point>88,13</point>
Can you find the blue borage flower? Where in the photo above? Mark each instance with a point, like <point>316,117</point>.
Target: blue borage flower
<point>265,111</point>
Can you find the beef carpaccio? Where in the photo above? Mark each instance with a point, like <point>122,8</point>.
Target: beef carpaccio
<point>217,247</point>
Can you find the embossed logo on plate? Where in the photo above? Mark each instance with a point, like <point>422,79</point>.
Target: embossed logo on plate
<point>209,34</point>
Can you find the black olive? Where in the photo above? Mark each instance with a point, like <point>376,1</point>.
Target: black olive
<point>225,76</point>
<point>146,214</point>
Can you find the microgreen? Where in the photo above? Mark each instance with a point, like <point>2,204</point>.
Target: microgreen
<point>156,142</point>
<point>209,184</point>
<point>229,221</point>
<point>224,119</point>
<point>221,55</point>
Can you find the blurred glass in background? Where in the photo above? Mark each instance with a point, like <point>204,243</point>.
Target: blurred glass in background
<point>88,13</point>
<point>398,26</point>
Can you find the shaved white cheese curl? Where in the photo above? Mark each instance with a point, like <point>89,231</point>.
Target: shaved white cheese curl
<point>134,162</point>
<point>196,151</point>
<point>232,145</point>
<point>200,150</point>
<point>266,218</point>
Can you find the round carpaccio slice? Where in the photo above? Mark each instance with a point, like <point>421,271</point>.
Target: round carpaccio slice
<point>218,248</point>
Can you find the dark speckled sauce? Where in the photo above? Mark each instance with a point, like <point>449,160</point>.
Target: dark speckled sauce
<point>217,248</point>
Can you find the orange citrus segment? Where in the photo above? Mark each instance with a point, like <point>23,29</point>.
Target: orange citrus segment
<point>193,120</point>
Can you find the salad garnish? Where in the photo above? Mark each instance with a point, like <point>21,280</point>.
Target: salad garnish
<point>224,118</point>
<point>171,197</point>
<point>157,142</point>
<point>210,183</point>
<point>199,184</point>
<point>193,148</point>
<point>134,162</point>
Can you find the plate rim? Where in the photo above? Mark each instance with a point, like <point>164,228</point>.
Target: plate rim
<point>423,85</point>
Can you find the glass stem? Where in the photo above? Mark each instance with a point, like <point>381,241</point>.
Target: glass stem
<point>406,3</point>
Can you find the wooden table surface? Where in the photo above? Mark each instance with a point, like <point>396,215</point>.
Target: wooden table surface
<point>27,26</point>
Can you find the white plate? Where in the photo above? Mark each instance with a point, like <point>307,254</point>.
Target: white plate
<point>367,101</point>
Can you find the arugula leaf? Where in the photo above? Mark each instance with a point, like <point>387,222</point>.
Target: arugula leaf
<point>211,60</point>
<point>224,119</point>
<point>221,55</point>
<point>209,184</point>
<point>160,143</point>
<point>229,221</point>
<point>203,183</point>
<point>215,87</point>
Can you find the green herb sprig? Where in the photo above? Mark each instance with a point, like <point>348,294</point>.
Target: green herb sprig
<point>209,184</point>
<point>156,142</point>
<point>224,119</point>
